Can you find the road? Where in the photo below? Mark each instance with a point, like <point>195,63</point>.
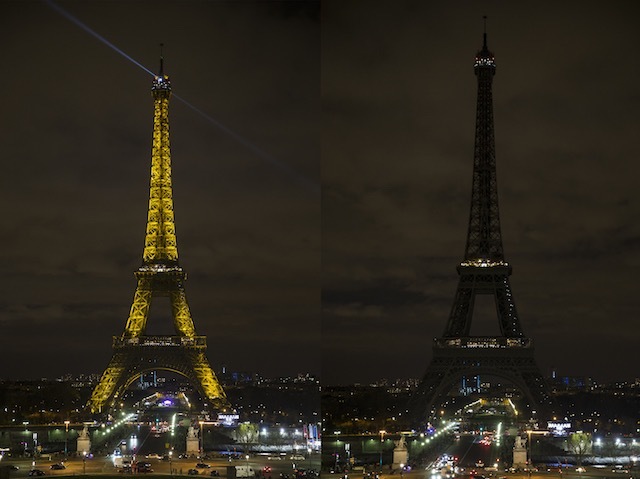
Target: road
<point>592,473</point>
<point>469,451</point>
<point>554,473</point>
<point>104,465</point>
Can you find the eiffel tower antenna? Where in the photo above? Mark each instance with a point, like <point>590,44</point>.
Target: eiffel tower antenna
<point>457,354</point>
<point>484,45</point>
<point>135,352</point>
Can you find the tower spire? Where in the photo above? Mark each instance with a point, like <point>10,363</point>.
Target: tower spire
<point>484,239</point>
<point>484,17</point>
<point>162,59</point>
<point>160,241</point>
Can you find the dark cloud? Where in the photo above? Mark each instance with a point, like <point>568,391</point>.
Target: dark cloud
<point>386,294</point>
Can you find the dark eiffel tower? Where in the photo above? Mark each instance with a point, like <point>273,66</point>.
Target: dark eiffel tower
<point>483,271</point>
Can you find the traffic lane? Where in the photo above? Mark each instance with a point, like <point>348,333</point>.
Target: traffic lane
<point>469,451</point>
<point>257,463</point>
<point>72,466</point>
<point>104,464</point>
<point>595,473</point>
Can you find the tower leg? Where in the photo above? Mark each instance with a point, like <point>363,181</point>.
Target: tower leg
<point>181,314</point>
<point>108,384</point>
<point>137,321</point>
<point>208,381</point>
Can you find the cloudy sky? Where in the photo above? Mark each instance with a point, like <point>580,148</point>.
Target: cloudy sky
<point>373,103</point>
<point>75,144</point>
<point>398,97</point>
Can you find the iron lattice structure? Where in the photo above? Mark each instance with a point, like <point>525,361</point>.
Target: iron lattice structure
<point>483,271</point>
<point>160,275</point>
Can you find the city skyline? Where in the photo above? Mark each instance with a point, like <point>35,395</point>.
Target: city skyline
<point>76,137</point>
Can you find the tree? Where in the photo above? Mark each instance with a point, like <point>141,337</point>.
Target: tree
<point>580,445</point>
<point>247,433</point>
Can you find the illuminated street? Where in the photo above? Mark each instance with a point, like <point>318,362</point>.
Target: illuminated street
<point>104,465</point>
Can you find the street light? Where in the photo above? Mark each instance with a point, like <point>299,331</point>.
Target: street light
<point>66,434</point>
<point>170,463</point>
<point>382,433</point>
<point>84,462</point>
<point>26,433</point>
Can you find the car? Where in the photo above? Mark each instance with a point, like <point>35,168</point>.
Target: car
<point>11,467</point>
<point>202,465</point>
<point>144,469</point>
<point>193,472</point>
<point>57,467</point>
<point>36,472</point>
<point>580,469</point>
<point>153,456</point>
<point>266,469</point>
<point>143,464</point>
<point>214,473</point>
<point>297,457</point>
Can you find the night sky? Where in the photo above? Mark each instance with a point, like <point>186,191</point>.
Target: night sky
<point>75,143</point>
<point>373,102</point>
<point>399,99</point>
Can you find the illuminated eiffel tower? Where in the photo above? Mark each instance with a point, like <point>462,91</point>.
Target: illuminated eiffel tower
<point>483,271</point>
<point>135,353</point>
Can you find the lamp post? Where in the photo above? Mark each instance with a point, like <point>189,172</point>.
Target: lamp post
<point>66,435</point>
<point>529,457</point>
<point>382,433</point>
<point>84,463</point>
<point>26,433</point>
<point>170,463</point>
